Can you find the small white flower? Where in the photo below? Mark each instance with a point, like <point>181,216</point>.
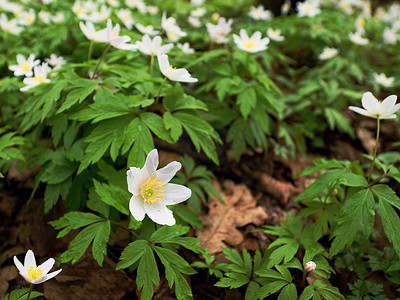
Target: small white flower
<point>383,80</point>
<point>172,73</point>
<point>153,10</point>
<point>173,31</point>
<point>126,17</point>
<point>250,44</point>
<point>310,266</point>
<point>99,16</point>
<point>138,4</point>
<point>259,13</point>
<point>285,7</point>
<point>26,18</point>
<point>356,38</point>
<point>152,191</point>
<point>186,48</point>
<point>55,61</point>
<point>58,18</point>
<point>80,10</point>
<point>390,36</point>
<point>275,35</point>
<point>195,22</point>
<point>197,2</point>
<point>328,53</point>
<point>218,33</point>
<point>116,40</point>
<point>91,34</point>
<point>198,12</point>
<point>308,8</point>
<point>39,78</point>
<point>113,3</point>
<point>147,29</point>
<point>377,109</point>
<point>175,34</point>
<point>10,26</point>
<point>24,66</point>
<point>345,6</point>
<point>44,16</point>
<point>360,24</point>
<point>152,47</point>
<point>33,273</point>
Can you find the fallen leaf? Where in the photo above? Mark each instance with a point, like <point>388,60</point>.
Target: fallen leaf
<point>282,191</point>
<point>220,224</point>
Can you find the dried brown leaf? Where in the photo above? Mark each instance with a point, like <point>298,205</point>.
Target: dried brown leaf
<point>282,191</point>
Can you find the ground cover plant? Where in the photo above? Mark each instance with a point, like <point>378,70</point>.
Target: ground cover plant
<point>199,149</point>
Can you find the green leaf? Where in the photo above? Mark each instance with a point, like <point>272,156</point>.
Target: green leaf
<point>51,195</point>
<point>172,124</point>
<point>357,214</point>
<point>176,99</point>
<point>247,101</point>
<point>80,89</point>
<point>21,294</point>
<point>391,223</point>
<point>99,247</point>
<point>74,220</point>
<point>131,254</point>
<point>166,234</point>
<point>307,293</point>
<point>147,274</point>
<point>252,290</point>
<point>386,194</point>
<point>113,195</point>
<point>156,125</point>
<point>186,215</point>
<point>289,292</point>
<point>336,119</point>
<point>285,253</point>
<point>271,288</point>
<point>175,265</point>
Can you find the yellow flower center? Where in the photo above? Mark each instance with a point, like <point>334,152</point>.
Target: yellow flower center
<point>249,44</point>
<point>34,273</point>
<point>17,13</point>
<point>28,19</point>
<point>126,18</point>
<point>38,79</point>
<point>171,35</point>
<point>151,190</point>
<point>215,16</point>
<point>308,8</point>
<point>361,22</point>
<point>25,67</point>
<point>79,10</point>
<point>258,14</point>
<point>379,101</point>
<point>114,35</point>
<point>345,5</point>
<point>172,68</point>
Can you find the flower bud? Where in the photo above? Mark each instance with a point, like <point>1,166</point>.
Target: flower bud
<point>310,266</point>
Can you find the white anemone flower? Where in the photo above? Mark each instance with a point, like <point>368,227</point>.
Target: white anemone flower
<point>27,17</point>
<point>116,40</point>
<point>198,12</point>
<point>383,80</point>
<point>390,36</point>
<point>285,8</point>
<point>24,66</point>
<point>152,191</point>
<point>259,13</point>
<point>39,78</point>
<point>31,272</point>
<point>80,10</point>
<point>153,10</point>
<point>55,61</point>
<point>218,33</point>
<point>377,109</point>
<point>275,35</point>
<point>195,22</point>
<point>91,34</point>
<point>328,53</point>
<point>147,29</point>
<point>10,26</point>
<point>175,33</point>
<point>308,8</point>
<point>356,38</point>
<point>185,48</point>
<point>44,16</point>
<point>58,18</point>
<point>172,73</point>
<point>250,44</point>
<point>100,16</point>
<point>153,47</point>
<point>126,17</point>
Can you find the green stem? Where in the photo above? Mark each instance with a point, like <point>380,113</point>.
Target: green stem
<point>101,58</point>
<point>30,291</point>
<point>159,91</point>
<point>125,228</point>
<point>376,148</point>
<point>90,50</point>
<point>151,64</point>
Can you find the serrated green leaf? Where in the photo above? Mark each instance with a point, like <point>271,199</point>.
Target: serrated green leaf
<point>285,253</point>
<point>131,254</point>
<point>147,274</point>
<point>271,288</point>
<point>21,294</point>
<point>99,247</point>
<point>74,220</point>
<point>247,101</point>
<point>172,124</point>
<point>167,234</point>
<point>307,293</point>
<point>289,292</point>
<point>81,88</point>
<point>156,125</point>
<point>113,195</point>
<point>391,223</point>
<point>252,290</point>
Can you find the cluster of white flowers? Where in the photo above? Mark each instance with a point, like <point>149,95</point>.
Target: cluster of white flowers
<point>173,31</point>
<point>35,72</point>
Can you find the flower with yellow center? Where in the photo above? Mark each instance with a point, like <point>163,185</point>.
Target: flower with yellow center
<point>174,74</point>
<point>275,35</point>
<point>24,66</point>
<point>250,44</point>
<point>151,190</point>
<point>308,8</point>
<point>116,40</point>
<point>39,78</point>
<point>125,16</point>
<point>377,109</point>
<point>33,273</point>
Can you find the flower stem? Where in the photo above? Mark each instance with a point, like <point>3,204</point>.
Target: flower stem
<point>159,91</point>
<point>376,148</point>
<point>90,50</point>
<point>151,64</point>
<point>101,58</point>
<point>125,228</point>
<point>30,291</point>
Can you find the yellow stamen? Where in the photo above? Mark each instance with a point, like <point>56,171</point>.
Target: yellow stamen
<point>126,18</point>
<point>249,44</point>
<point>17,13</point>
<point>25,67</point>
<point>79,10</point>
<point>114,35</point>
<point>171,35</point>
<point>28,19</point>
<point>361,22</point>
<point>34,273</point>
<point>38,78</point>
<point>151,190</point>
<point>379,101</point>
<point>172,68</point>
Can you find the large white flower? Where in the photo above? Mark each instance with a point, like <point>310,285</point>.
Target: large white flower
<point>328,53</point>
<point>33,273</point>
<point>250,44</point>
<point>171,73</point>
<point>153,47</point>
<point>152,192</point>
<point>24,66</point>
<point>383,80</point>
<point>10,26</point>
<point>377,109</point>
<point>39,78</point>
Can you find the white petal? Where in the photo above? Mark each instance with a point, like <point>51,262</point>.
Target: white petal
<point>29,260</point>
<point>361,111</point>
<point>168,172</point>
<point>369,102</point>
<point>159,213</point>
<point>176,193</point>
<point>47,277</point>
<point>136,207</point>
<point>20,59</point>
<point>47,265</point>
<point>163,63</point>
<point>151,162</point>
<point>256,36</point>
<point>19,266</point>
